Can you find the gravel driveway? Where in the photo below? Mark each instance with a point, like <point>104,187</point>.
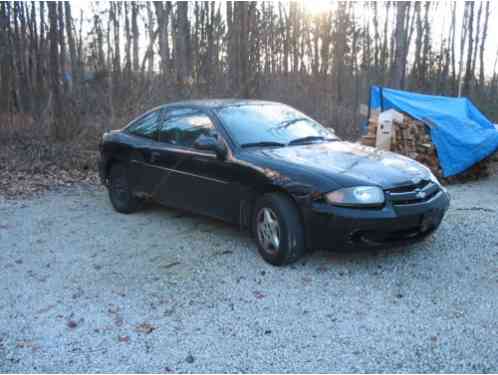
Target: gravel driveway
<point>87,289</point>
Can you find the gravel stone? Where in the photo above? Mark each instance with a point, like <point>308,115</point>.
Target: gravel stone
<point>67,256</point>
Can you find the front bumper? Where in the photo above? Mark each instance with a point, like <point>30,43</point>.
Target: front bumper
<point>331,227</point>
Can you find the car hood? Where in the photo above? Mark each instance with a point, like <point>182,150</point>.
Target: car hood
<point>350,163</point>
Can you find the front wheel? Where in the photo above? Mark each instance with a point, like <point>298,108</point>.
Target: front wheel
<point>120,193</point>
<point>278,229</point>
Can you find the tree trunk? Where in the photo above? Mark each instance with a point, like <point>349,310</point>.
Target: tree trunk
<point>427,44</point>
<point>181,52</point>
<point>136,35</point>
<point>376,35</point>
<point>463,39</point>
<point>468,71</point>
<point>6,84</point>
<point>54,73</point>
<point>417,62</point>
<point>162,15</point>
<point>72,44</point>
<point>128,38</point>
<point>399,66</point>
<point>452,47</point>
<point>483,42</point>
<point>384,57</point>
<point>62,46</point>
<point>476,40</point>
<point>340,50</point>
<point>284,25</point>
<point>115,13</point>
<point>241,18</point>
<point>152,36</point>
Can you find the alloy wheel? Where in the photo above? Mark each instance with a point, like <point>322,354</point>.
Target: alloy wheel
<point>268,230</point>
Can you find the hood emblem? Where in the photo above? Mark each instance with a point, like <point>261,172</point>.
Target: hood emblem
<point>420,194</point>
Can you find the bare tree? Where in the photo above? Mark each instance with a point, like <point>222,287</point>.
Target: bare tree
<point>463,39</point>
<point>483,42</point>
<point>136,55</point>
<point>401,37</point>
<point>135,33</point>
<point>181,47</point>
<point>162,15</point>
<point>54,72</point>
<point>452,46</point>
<point>468,70</point>
<point>71,43</point>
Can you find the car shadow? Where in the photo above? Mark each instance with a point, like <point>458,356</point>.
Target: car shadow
<point>313,258</point>
<point>198,220</point>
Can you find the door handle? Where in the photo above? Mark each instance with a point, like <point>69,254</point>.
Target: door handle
<point>154,156</point>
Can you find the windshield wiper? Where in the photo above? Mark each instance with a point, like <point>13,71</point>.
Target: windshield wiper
<point>287,123</point>
<point>263,144</point>
<point>310,139</point>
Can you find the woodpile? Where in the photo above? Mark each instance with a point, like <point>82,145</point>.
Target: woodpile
<point>412,138</point>
<point>371,137</point>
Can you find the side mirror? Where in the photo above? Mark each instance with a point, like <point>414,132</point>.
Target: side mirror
<point>206,143</point>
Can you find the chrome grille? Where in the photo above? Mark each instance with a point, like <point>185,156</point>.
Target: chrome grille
<point>415,193</point>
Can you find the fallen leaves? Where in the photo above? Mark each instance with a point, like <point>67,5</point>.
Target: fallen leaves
<point>27,344</point>
<point>22,344</point>
<point>169,265</point>
<point>72,324</point>
<point>225,252</point>
<point>117,318</point>
<point>32,166</point>
<point>145,328</point>
<point>259,295</point>
<point>45,309</point>
<point>124,339</point>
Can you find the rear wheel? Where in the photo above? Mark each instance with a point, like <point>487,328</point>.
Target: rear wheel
<point>120,194</point>
<point>278,229</point>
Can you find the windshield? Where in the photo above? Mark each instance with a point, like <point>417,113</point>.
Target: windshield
<point>271,124</point>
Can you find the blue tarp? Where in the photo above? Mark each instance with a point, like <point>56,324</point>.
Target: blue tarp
<point>462,135</point>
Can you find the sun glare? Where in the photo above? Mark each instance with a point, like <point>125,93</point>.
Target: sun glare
<point>316,7</point>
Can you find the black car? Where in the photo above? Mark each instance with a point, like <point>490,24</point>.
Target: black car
<point>274,171</point>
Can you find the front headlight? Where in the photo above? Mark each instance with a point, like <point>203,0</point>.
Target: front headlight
<point>433,178</point>
<point>359,196</point>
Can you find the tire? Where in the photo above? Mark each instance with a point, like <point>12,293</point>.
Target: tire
<point>120,193</point>
<point>290,245</point>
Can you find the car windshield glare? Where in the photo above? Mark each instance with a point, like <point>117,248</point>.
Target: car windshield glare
<point>270,123</point>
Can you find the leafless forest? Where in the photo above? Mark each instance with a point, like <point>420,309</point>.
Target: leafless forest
<point>68,71</point>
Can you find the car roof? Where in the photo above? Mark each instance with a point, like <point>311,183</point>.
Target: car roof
<point>218,103</point>
<point>204,104</point>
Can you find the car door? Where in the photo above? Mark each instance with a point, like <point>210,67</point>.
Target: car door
<point>197,180</point>
<point>144,176</point>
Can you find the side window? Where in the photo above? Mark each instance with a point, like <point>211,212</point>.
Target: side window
<point>182,127</point>
<point>146,126</point>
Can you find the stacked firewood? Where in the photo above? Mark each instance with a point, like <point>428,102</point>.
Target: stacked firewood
<point>412,138</point>
<point>370,139</point>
